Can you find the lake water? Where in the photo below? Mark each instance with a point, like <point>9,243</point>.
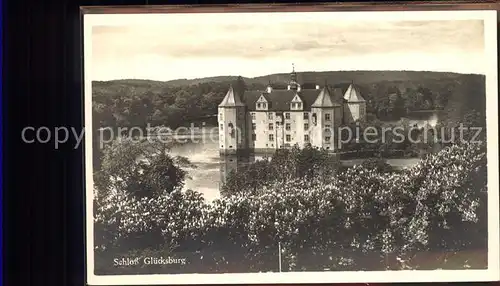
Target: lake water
<point>211,168</point>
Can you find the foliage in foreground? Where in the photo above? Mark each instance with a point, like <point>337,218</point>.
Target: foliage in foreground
<point>353,221</point>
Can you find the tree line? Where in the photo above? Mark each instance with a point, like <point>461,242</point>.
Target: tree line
<point>137,103</point>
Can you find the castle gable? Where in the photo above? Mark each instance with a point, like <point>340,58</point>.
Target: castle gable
<point>263,98</point>
<point>297,98</point>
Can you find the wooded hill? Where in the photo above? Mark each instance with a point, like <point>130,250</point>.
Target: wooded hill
<point>390,95</point>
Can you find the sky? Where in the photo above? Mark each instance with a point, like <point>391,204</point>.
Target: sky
<point>202,45</point>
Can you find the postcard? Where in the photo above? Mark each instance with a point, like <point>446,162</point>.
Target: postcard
<point>275,146</point>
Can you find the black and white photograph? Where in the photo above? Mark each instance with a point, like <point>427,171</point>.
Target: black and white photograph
<point>291,147</point>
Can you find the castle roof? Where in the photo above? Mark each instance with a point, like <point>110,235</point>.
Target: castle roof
<point>353,95</point>
<point>324,99</point>
<point>280,99</point>
<point>231,99</point>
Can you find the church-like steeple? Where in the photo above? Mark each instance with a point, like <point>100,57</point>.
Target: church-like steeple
<point>231,99</point>
<point>293,75</point>
<point>293,85</point>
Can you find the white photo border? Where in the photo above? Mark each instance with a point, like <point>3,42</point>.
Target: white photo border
<point>491,274</point>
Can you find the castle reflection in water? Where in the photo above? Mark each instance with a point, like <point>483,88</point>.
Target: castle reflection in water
<point>229,163</point>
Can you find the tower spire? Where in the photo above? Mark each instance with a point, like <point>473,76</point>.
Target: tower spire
<point>231,99</point>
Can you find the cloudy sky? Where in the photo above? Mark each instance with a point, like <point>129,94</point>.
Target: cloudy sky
<point>201,45</point>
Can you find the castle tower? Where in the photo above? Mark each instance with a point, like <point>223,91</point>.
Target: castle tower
<point>354,106</point>
<point>324,113</point>
<point>293,85</point>
<point>232,124</point>
<point>269,87</point>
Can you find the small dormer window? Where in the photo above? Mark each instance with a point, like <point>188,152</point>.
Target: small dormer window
<point>259,105</point>
<point>264,105</point>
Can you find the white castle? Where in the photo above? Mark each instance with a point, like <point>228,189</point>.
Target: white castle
<point>263,121</point>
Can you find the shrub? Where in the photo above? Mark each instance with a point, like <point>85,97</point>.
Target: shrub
<point>378,164</point>
<point>351,221</point>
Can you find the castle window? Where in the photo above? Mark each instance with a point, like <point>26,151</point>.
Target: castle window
<point>254,126</point>
<point>271,127</point>
<point>270,116</point>
<point>254,137</point>
<point>314,118</point>
<point>253,115</point>
<point>306,138</point>
<point>220,115</point>
<point>231,130</point>
<point>306,126</point>
<point>327,128</point>
<point>288,126</point>
<point>306,116</point>
<point>271,137</point>
<point>327,117</point>
<point>288,138</point>
<point>221,127</point>
<point>287,115</point>
<point>327,138</point>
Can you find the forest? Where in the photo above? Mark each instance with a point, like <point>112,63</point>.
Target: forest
<point>130,103</point>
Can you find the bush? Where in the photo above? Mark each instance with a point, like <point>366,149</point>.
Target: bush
<point>308,163</point>
<point>378,164</point>
<point>353,220</point>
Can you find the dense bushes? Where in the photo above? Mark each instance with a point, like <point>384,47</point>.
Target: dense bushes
<point>308,163</point>
<point>351,220</point>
